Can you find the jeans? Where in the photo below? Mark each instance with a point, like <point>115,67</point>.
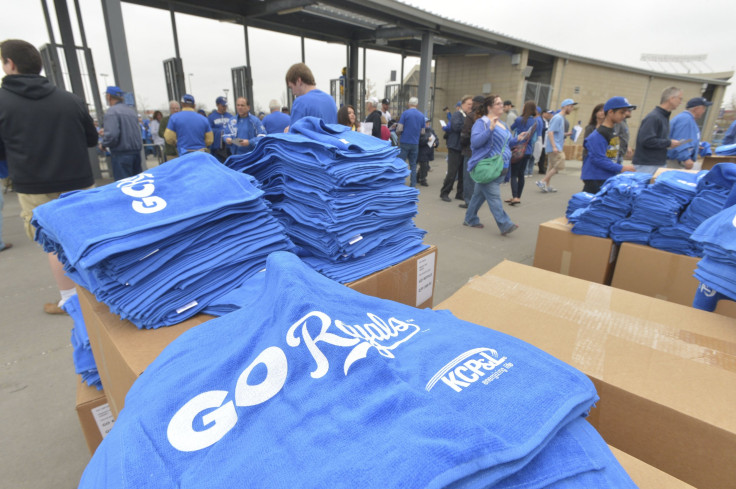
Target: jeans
<point>468,183</point>
<point>126,164</point>
<point>517,176</point>
<point>409,152</point>
<point>529,165</point>
<point>491,193</point>
<point>454,162</point>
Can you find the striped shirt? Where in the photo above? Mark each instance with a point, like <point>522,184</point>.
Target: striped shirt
<point>485,143</point>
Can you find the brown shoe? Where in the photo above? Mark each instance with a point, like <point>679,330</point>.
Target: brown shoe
<point>53,308</point>
<point>6,247</point>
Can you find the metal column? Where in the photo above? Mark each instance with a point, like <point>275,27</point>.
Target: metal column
<point>425,72</point>
<point>70,50</point>
<point>90,64</point>
<point>113,15</point>
<point>303,57</point>
<point>351,81</point>
<point>249,84</point>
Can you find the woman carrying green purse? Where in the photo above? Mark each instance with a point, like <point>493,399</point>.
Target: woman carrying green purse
<point>489,141</point>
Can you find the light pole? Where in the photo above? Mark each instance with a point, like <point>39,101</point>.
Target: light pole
<point>226,90</point>
<point>191,89</point>
<point>104,78</point>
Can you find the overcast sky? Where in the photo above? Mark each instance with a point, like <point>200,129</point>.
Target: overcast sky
<point>612,31</point>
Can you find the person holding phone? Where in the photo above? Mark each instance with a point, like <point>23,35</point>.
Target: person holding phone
<point>684,128</point>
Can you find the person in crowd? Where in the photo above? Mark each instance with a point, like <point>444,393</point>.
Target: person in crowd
<point>685,128</point>
<point>624,135</point>
<point>122,135</point>
<point>276,121</point>
<point>547,115</point>
<point>261,115</point>
<point>602,146</point>
<point>730,136</point>
<point>384,109</point>
<point>245,130</point>
<point>596,119</point>
<point>385,131</point>
<point>454,151</point>
<point>510,114</point>
<point>346,117</point>
<point>555,145</point>
<point>286,110</point>
<point>202,113</point>
<point>42,167</point>
<point>428,141</point>
<point>146,138</point>
<point>373,117</point>
<point>158,141</point>
<point>467,182</point>
<point>653,139</point>
<point>409,128</point>
<point>526,126</point>
<point>169,149</point>
<point>537,144</point>
<point>3,175</point>
<point>219,121</point>
<point>188,130</point>
<point>490,137</point>
<point>310,101</point>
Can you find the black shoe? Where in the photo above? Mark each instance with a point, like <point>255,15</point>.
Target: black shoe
<point>424,184</point>
<point>463,206</point>
<point>445,198</point>
<point>459,197</point>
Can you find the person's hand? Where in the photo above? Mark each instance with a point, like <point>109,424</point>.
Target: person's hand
<point>245,142</point>
<point>628,168</point>
<point>229,140</point>
<point>523,136</point>
<point>494,120</point>
<point>674,143</point>
<point>688,164</point>
<point>629,154</point>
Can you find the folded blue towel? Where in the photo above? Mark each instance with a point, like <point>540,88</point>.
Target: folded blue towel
<point>312,384</point>
<point>84,360</point>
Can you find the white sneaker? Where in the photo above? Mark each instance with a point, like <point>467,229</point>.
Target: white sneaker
<point>542,186</point>
<point>551,189</point>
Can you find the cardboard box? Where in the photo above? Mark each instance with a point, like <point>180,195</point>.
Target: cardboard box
<point>587,257</point>
<point>662,170</point>
<point>665,373</point>
<point>122,351</point>
<point>645,476</point>
<point>94,414</point>
<point>711,161</point>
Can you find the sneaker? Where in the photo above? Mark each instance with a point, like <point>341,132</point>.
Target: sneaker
<point>53,308</point>
<point>463,206</point>
<point>551,189</point>
<point>510,230</point>
<point>542,186</point>
<point>6,247</point>
<point>477,226</point>
<point>445,198</point>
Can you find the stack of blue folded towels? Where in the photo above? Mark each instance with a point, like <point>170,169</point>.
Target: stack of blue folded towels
<point>611,204</point>
<point>84,361</point>
<point>159,246</point>
<point>327,387</point>
<point>726,150</point>
<point>717,236</point>
<point>340,195</point>
<point>579,200</point>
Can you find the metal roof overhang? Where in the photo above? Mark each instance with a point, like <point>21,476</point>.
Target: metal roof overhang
<point>384,25</point>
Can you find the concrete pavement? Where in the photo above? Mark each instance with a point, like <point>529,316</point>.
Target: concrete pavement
<point>43,445</point>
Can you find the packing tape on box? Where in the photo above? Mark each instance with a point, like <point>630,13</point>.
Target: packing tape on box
<point>595,313</point>
<point>565,262</point>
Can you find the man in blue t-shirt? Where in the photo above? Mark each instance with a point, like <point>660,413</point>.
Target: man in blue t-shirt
<point>684,127</point>
<point>188,130</point>
<point>309,100</point>
<point>554,145</point>
<point>411,125</point>
<point>276,121</point>
<point>219,120</point>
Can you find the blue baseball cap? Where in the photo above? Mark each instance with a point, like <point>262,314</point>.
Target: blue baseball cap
<point>566,102</point>
<point>614,103</point>
<point>221,101</point>
<point>114,91</point>
<point>187,99</point>
<point>697,101</point>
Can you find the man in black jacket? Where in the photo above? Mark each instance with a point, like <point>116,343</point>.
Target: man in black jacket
<point>653,138</point>
<point>454,156</point>
<point>44,136</point>
<point>374,116</point>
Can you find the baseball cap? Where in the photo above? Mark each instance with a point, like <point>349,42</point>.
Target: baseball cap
<point>614,103</point>
<point>187,99</point>
<point>372,100</point>
<point>385,101</point>
<point>114,91</point>
<point>458,104</point>
<point>221,101</point>
<point>697,101</point>
<point>479,99</point>
<point>508,102</point>
<point>568,101</point>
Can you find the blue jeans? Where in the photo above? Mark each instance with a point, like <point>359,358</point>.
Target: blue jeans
<point>491,193</point>
<point>125,164</point>
<point>409,152</point>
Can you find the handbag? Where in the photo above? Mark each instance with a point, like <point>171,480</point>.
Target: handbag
<point>488,169</point>
<point>518,151</point>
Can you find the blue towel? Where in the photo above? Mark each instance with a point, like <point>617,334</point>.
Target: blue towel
<point>315,385</point>
<point>84,361</point>
<point>726,150</point>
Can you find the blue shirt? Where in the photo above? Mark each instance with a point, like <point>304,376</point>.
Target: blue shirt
<point>556,126</point>
<point>248,127</point>
<point>315,103</point>
<point>730,137</point>
<point>485,143</point>
<point>683,126</point>
<point>413,122</point>
<point>191,130</point>
<point>276,122</point>
<point>602,154</point>
<point>218,122</point>
<point>520,126</point>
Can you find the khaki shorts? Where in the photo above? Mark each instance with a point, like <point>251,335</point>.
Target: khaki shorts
<point>28,202</point>
<point>556,161</point>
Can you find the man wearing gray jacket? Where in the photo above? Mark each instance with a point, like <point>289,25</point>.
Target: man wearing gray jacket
<point>122,134</point>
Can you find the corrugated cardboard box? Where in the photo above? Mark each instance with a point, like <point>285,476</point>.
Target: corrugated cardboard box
<point>94,414</point>
<point>587,257</point>
<point>645,476</point>
<point>711,161</point>
<point>123,352</point>
<point>666,373</point>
